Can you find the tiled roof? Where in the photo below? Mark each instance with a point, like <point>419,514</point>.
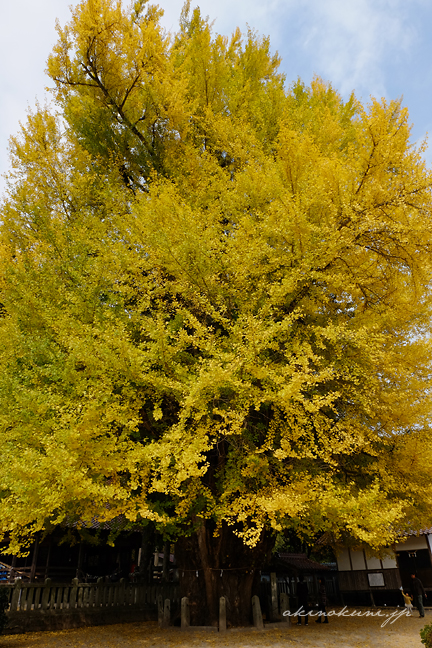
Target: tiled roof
<point>417,533</point>
<point>300,562</point>
<point>117,523</point>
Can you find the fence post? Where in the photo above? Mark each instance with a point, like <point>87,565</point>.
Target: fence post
<point>80,597</point>
<point>284,607</point>
<point>185,613</point>
<point>256,613</point>
<point>16,595</point>
<point>222,614</point>
<point>46,593</point>
<point>65,599</point>
<point>25,596</point>
<point>110,594</point>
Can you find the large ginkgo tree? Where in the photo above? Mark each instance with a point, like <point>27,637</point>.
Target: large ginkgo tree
<point>216,303</point>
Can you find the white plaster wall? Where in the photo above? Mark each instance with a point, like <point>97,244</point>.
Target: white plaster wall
<point>389,562</point>
<point>343,561</point>
<point>357,559</point>
<point>373,563</point>
<point>412,543</point>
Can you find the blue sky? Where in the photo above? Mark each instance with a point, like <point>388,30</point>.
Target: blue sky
<point>381,48</point>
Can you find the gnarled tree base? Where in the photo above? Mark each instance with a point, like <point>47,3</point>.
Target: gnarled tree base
<point>211,567</point>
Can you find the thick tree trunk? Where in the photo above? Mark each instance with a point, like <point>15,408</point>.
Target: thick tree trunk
<point>147,543</point>
<point>210,567</point>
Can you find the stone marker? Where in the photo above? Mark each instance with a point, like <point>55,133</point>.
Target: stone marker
<point>284,607</point>
<point>160,610</point>
<point>73,594</point>
<point>185,613</point>
<point>256,613</point>
<point>222,614</point>
<point>98,593</point>
<point>16,595</point>
<point>46,594</point>
<point>274,597</point>
<point>167,613</point>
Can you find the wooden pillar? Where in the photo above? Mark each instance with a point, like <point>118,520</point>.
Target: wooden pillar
<point>48,558</point>
<point>165,564</point>
<point>12,571</point>
<point>147,542</point>
<point>141,561</point>
<point>80,561</point>
<point>372,599</point>
<point>316,585</point>
<point>34,559</point>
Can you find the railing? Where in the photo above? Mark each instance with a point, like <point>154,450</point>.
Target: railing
<point>31,597</point>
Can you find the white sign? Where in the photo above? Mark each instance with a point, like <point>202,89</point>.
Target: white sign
<point>376,580</point>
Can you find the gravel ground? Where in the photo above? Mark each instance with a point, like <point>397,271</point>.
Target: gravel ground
<point>341,632</point>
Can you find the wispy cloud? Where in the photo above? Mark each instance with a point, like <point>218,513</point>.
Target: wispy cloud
<point>349,42</point>
<point>352,41</point>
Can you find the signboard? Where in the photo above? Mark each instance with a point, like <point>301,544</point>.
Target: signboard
<point>376,580</point>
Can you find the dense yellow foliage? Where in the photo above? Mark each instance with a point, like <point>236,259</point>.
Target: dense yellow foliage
<point>215,293</point>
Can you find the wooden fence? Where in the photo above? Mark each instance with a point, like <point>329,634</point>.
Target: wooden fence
<point>49,598</point>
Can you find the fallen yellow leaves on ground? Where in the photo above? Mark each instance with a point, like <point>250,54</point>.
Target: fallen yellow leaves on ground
<point>341,632</point>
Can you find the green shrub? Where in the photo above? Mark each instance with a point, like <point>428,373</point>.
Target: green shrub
<point>426,635</point>
<point>4,604</point>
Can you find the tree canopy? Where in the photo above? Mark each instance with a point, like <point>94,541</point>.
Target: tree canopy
<point>215,294</point>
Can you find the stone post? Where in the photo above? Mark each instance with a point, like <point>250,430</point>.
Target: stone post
<point>122,591</point>
<point>46,594</point>
<point>98,593</point>
<point>167,613</point>
<point>284,607</point>
<point>73,594</point>
<point>185,613</point>
<point>256,613</point>
<point>274,597</point>
<point>160,610</point>
<point>14,606</point>
<point>222,614</point>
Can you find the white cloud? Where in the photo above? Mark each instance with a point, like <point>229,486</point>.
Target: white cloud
<point>351,41</point>
<point>348,42</point>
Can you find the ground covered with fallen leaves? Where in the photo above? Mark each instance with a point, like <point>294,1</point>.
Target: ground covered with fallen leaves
<point>342,632</point>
